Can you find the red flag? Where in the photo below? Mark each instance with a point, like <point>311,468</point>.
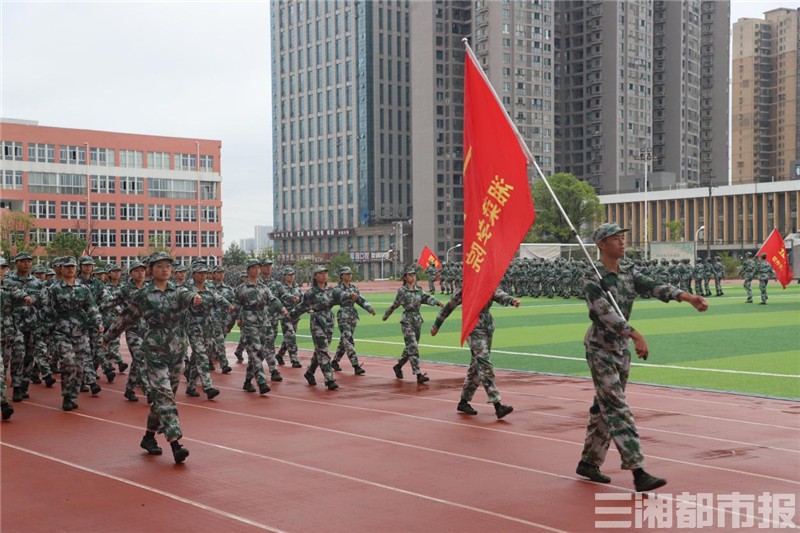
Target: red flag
<point>498,206</point>
<point>776,256</point>
<point>426,256</point>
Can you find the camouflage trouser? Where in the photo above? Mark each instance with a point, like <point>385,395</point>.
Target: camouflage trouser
<point>240,347</point>
<point>718,285</point>
<point>30,346</point>
<point>762,286</point>
<point>73,352</point>
<point>480,369</point>
<point>270,333</point>
<point>610,417</point>
<point>137,374</point>
<point>706,283</point>
<point>431,285</point>
<point>686,285</point>
<point>747,289</point>
<point>321,358</point>
<point>347,345</point>
<point>163,373</point>
<point>199,367</point>
<point>411,331</point>
<point>289,344</point>
<point>252,336</point>
<point>91,360</point>
<point>3,392</point>
<point>13,351</point>
<point>216,346</point>
<point>113,352</point>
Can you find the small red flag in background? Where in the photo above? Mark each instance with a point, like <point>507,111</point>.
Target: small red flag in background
<point>426,256</point>
<point>777,257</point>
<point>498,206</point>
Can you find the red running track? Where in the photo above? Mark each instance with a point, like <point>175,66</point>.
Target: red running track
<point>379,454</point>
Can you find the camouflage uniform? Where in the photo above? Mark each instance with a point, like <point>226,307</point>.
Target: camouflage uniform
<point>719,275</point>
<point>747,271</point>
<point>11,337</point>
<point>221,317</point>
<point>347,317</point>
<point>411,323</point>
<point>271,325</point>
<point>319,302</point>
<point>431,273</point>
<point>481,370</point>
<point>162,348</point>
<point>291,297</point>
<point>73,314</point>
<point>200,330</point>
<point>609,360</point>
<point>764,271</point>
<point>97,353</point>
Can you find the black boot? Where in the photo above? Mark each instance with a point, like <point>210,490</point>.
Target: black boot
<point>644,482</point>
<point>7,410</point>
<point>275,376</point>
<point>248,386</point>
<point>502,410</point>
<point>335,365</point>
<point>310,377</point>
<point>179,453</point>
<point>123,366</point>
<point>263,388</point>
<point>131,396</point>
<point>95,388</point>
<point>398,371</point>
<point>592,472</point>
<point>226,369</point>
<point>359,370</point>
<point>49,381</point>
<point>466,408</point>
<point>192,392</point>
<point>422,378</point>
<point>211,393</point>
<point>149,443</point>
<point>332,385</point>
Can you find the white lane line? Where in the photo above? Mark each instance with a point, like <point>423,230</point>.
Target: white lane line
<point>148,488</point>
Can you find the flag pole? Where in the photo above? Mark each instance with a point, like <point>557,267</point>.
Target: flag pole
<point>532,160</point>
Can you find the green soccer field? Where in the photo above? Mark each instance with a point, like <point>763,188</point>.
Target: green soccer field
<point>734,346</point>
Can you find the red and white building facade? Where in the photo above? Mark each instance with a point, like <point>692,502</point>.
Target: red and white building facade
<point>144,191</point>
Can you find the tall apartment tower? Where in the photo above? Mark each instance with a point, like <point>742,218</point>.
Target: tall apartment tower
<point>513,42</point>
<point>341,129</point>
<point>766,123</point>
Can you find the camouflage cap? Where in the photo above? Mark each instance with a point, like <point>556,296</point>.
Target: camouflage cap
<point>68,261</point>
<point>133,266</point>
<point>607,230</point>
<point>199,269</point>
<point>242,275</point>
<point>320,268</point>
<point>160,256</point>
<point>289,271</point>
<point>3,262</point>
<point>113,267</point>
<point>218,268</point>
<point>410,270</point>
<point>38,269</point>
<point>266,261</point>
<point>22,255</point>
<point>180,268</point>
<point>252,263</point>
<point>50,272</point>
<point>749,254</point>
<point>345,270</point>
<point>86,260</point>
<point>718,258</point>
<point>100,270</point>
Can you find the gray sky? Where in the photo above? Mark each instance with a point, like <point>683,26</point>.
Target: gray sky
<point>183,69</point>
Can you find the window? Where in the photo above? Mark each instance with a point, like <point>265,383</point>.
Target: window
<point>159,160</point>
<point>166,188</point>
<point>130,158</point>
<point>185,239</point>
<point>129,185</point>
<point>72,155</point>
<point>209,239</point>
<point>104,211</point>
<point>52,183</point>
<point>41,236</point>
<point>42,153</point>
<point>159,213</point>
<point>209,190</point>
<point>131,212</point>
<point>185,213</point>
<point>103,184</point>
<point>42,208</point>
<point>210,214</point>
<point>104,237</point>
<point>159,238</point>
<point>131,238</point>
<point>12,179</point>
<point>72,184</point>
<point>12,151</point>
<point>206,163</point>
<point>103,157</point>
<point>185,162</point>
<point>73,210</point>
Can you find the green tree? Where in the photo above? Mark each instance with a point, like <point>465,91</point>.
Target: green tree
<point>340,260</point>
<point>66,243</point>
<point>157,243</point>
<point>675,229</point>
<point>303,267</point>
<point>730,264</point>
<point>15,228</point>
<point>234,256</point>
<point>266,253</point>
<point>579,201</point>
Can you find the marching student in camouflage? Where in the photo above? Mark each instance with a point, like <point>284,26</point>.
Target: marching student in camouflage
<point>10,335</point>
<point>134,335</point>
<point>697,274</point>
<point>200,331</point>
<point>218,332</point>
<point>273,318</point>
<point>97,354</point>
<point>158,304</point>
<point>252,300</point>
<point>719,275</point>
<point>609,357</point>
<point>411,297</point>
<point>240,347</point>
<point>431,272</point>
<point>318,302</point>
<point>347,317</point>
<point>71,309</point>
<point>764,271</point>
<point>480,369</point>
<point>30,346</point>
<point>708,271</point>
<point>112,286</point>
<point>291,297</point>
<point>180,274</point>
<point>748,270</point>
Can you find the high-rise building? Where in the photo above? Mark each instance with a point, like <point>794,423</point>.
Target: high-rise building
<point>248,245</point>
<point>262,239</point>
<point>130,194</point>
<point>765,97</point>
<point>341,129</point>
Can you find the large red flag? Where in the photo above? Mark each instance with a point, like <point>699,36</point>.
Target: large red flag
<point>498,206</point>
<point>776,256</point>
<point>426,257</point>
